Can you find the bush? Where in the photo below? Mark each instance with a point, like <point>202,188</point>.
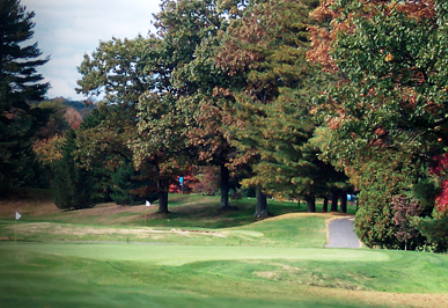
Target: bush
<point>436,230</point>
<point>374,221</point>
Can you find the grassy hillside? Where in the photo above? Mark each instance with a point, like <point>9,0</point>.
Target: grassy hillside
<point>200,257</point>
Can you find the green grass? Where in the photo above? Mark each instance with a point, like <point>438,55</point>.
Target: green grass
<point>120,275</point>
<point>184,254</point>
<point>299,232</point>
<point>199,256</point>
<point>69,275</point>
<point>186,211</point>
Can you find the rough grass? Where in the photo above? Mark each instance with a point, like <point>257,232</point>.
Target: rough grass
<point>199,256</point>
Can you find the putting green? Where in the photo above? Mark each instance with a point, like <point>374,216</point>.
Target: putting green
<point>176,255</point>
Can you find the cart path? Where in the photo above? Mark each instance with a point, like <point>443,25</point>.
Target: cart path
<point>341,234</point>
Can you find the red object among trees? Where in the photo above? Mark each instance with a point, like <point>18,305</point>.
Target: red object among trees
<point>440,170</point>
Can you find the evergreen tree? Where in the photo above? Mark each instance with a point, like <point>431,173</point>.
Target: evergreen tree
<point>272,123</point>
<point>130,187</point>
<point>19,83</point>
<point>73,185</point>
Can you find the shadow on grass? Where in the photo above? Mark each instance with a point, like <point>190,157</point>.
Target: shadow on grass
<point>204,212</point>
<point>187,211</point>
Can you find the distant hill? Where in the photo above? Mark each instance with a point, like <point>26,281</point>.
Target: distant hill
<point>83,107</point>
<point>77,105</point>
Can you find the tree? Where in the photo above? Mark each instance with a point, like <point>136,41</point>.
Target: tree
<point>387,110</point>
<point>48,152</point>
<point>116,68</point>
<point>181,121</point>
<point>18,62</point>
<point>73,185</point>
<point>130,187</point>
<point>102,145</point>
<point>160,145</point>
<point>57,121</point>
<point>198,80</point>
<point>267,46</point>
<point>19,83</point>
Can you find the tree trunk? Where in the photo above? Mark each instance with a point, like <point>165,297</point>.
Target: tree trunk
<point>311,202</point>
<point>334,201</point>
<point>163,186</point>
<point>344,202</point>
<point>225,187</point>
<point>261,209</point>
<point>325,206</point>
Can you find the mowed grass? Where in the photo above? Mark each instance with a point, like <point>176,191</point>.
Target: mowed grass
<point>194,219</point>
<point>131,275</point>
<point>202,257</point>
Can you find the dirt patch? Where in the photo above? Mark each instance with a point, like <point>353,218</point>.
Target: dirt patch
<point>393,299</point>
<point>267,275</point>
<point>285,267</point>
<point>185,232</point>
<point>299,215</point>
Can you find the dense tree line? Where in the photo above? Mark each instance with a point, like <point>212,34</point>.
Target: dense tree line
<point>19,83</point>
<point>386,113</point>
<point>295,99</point>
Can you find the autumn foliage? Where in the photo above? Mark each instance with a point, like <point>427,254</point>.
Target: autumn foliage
<point>386,105</point>
<point>440,171</point>
<point>339,21</point>
<point>296,99</point>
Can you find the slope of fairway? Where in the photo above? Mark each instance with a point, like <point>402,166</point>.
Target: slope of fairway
<point>160,254</point>
<point>200,256</point>
<point>117,275</point>
<point>294,230</point>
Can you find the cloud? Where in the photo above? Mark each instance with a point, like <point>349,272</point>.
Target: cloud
<point>67,29</point>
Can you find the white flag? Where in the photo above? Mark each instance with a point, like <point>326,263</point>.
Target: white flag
<point>18,216</point>
<point>148,203</point>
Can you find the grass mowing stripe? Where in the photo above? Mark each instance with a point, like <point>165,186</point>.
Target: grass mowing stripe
<point>176,255</point>
<point>33,279</point>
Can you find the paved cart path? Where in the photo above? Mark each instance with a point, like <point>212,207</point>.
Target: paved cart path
<point>341,234</point>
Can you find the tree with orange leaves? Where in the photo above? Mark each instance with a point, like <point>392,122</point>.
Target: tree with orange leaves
<point>264,48</point>
<point>388,110</point>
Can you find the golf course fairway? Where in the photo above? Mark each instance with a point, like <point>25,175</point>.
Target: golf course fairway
<point>175,254</point>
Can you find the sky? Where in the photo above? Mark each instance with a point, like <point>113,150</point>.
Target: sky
<point>67,29</point>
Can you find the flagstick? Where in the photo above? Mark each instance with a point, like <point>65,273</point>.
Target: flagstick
<point>15,227</point>
<point>148,204</point>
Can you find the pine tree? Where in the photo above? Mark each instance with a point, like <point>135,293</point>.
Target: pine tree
<point>73,186</point>
<point>272,125</point>
<point>130,187</point>
<point>19,83</point>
